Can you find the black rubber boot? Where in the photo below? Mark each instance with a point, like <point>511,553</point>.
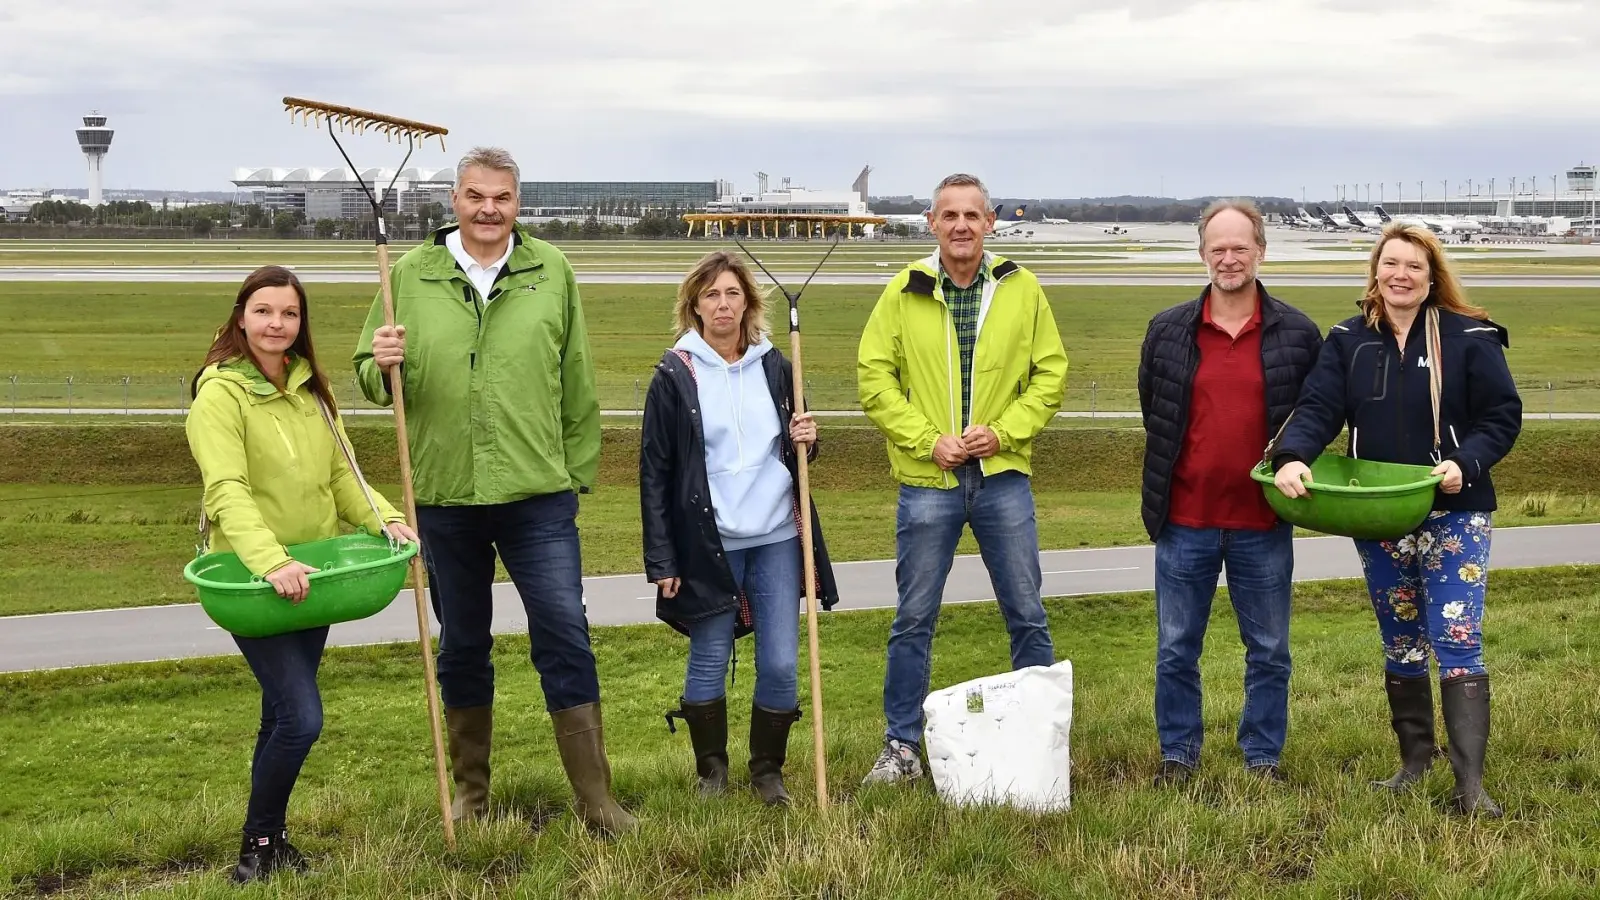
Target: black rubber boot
<point>1466,722</point>
<point>769,747</point>
<point>261,855</point>
<point>708,733</point>
<point>1411,715</point>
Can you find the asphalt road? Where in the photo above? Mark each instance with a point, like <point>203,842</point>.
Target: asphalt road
<point>63,640</point>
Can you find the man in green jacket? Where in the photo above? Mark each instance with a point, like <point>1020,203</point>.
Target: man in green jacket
<point>504,431</point>
<point>960,366</point>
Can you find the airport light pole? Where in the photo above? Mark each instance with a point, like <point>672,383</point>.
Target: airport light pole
<point>1446,196</point>
<point>1369,195</point>
<point>1420,194</point>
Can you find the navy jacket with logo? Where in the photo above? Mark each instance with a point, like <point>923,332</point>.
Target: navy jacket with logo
<point>1363,380</point>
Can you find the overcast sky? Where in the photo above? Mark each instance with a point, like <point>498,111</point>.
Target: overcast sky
<point>1058,98</point>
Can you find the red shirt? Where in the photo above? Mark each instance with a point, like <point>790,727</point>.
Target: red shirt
<point>1211,484</point>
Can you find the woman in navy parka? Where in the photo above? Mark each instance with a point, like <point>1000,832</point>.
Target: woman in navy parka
<point>1377,373</point>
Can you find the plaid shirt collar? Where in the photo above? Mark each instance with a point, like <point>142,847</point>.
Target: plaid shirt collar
<point>977,282</point>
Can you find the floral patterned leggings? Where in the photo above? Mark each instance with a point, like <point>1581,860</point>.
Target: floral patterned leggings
<point>1427,589</point>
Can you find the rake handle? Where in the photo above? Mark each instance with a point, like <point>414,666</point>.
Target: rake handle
<point>808,570</point>
<point>424,635</point>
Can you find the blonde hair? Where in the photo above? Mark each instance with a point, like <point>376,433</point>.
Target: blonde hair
<point>685,318</point>
<point>1444,288</point>
<point>1239,205</point>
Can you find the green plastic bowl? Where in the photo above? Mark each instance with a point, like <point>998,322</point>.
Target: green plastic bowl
<point>1356,498</point>
<point>357,576</point>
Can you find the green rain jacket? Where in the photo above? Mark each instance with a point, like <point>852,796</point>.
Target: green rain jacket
<point>908,369</point>
<point>273,474</point>
<point>500,395</point>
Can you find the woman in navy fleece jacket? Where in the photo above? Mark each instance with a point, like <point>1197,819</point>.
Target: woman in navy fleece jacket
<point>1428,586</point>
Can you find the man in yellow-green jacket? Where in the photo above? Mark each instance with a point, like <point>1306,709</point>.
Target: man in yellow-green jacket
<point>960,367</point>
<point>504,431</point>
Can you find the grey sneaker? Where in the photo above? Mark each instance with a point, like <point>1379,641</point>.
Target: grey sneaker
<point>898,762</point>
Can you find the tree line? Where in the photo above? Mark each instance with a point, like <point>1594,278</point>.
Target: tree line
<point>203,219</point>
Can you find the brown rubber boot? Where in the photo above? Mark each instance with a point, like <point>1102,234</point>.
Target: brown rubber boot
<point>581,741</point>
<point>471,728</point>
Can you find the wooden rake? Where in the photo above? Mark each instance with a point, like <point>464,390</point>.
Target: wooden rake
<point>818,738</point>
<point>357,122</point>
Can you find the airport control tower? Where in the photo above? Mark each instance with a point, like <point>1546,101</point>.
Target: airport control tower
<point>94,139</point>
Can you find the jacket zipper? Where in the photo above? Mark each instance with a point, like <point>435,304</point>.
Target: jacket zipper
<point>288,444</point>
<point>950,377</point>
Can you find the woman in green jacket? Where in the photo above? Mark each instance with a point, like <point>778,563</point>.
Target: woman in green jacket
<point>275,474</point>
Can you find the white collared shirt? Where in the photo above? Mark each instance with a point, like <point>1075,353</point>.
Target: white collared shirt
<point>481,276</point>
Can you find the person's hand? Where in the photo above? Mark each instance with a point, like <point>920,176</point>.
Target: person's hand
<point>980,441</point>
<point>389,346</point>
<point>1292,478</point>
<point>403,532</point>
<point>803,429</point>
<point>1452,476</point>
<point>949,451</point>
<point>669,587</point>
<point>291,582</point>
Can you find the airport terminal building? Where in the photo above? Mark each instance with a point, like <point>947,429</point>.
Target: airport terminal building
<point>335,194</point>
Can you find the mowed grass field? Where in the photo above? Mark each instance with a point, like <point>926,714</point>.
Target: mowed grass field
<point>101,516</point>
<point>155,334</point>
<point>131,782</point>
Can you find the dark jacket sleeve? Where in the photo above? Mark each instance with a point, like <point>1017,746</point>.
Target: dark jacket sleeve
<point>1146,359</point>
<point>658,460</point>
<point>1496,410</point>
<point>1319,414</point>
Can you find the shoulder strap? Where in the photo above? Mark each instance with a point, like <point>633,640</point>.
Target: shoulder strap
<point>1435,372</point>
<point>350,460</point>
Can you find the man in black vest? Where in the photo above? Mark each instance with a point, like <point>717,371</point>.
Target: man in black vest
<point>1218,376</point>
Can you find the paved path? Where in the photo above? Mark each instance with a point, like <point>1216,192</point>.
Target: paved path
<point>234,274</point>
<point>62,640</point>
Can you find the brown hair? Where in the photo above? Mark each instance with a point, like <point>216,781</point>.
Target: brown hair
<point>1444,289</point>
<point>231,344</point>
<point>1238,205</point>
<point>699,280</point>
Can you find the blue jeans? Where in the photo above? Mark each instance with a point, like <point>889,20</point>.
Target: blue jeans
<point>1427,590</point>
<point>537,539</point>
<point>1260,568</point>
<point>928,524</point>
<point>770,576</point>
<point>291,720</point>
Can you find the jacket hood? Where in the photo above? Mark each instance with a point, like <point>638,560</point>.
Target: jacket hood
<point>695,345</point>
<point>242,372</point>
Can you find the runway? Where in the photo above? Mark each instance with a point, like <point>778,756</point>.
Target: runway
<point>62,640</point>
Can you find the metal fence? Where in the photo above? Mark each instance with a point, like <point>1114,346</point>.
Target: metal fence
<point>168,393</point>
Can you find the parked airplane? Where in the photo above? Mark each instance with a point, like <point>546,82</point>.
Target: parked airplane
<point>1365,223</point>
<point>1009,218</point>
<point>1437,224</point>
<point>1329,223</point>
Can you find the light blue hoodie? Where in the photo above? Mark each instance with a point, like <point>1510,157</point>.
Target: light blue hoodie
<point>751,489</point>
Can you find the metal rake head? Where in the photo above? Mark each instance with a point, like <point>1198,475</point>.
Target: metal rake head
<point>360,121</point>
